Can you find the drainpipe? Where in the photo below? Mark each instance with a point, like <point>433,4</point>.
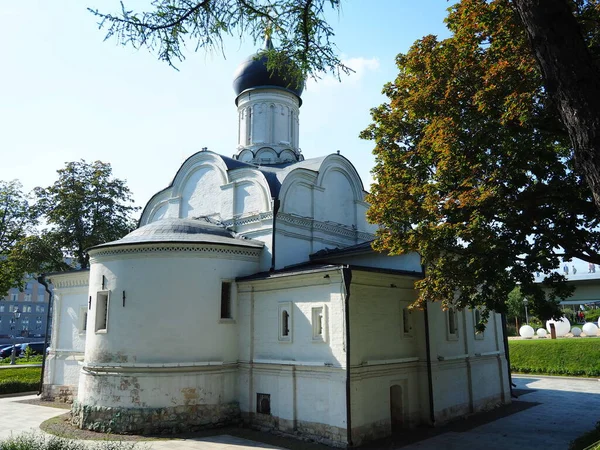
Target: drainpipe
<point>506,355</point>
<point>429,373</point>
<point>276,204</point>
<point>347,279</point>
<point>428,355</point>
<point>41,279</point>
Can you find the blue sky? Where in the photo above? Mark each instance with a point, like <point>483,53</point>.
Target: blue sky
<point>66,94</point>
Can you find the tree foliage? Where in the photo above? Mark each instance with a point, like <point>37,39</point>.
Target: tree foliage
<point>16,215</point>
<point>474,169</point>
<point>303,35</point>
<point>17,219</point>
<point>86,206</point>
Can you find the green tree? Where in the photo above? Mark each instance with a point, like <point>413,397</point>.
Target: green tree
<point>17,219</point>
<point>559,41</point>
<point>303,35</point>
<point>515,308</point>
<point>474,170</point>
<point>86,206</point>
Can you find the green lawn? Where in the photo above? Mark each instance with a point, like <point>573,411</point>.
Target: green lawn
<point>571,357</point>
<point>19,379</point>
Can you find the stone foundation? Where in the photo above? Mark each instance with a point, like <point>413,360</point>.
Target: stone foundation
<point>59,393</point>
<point>168,420</point>
<point>299,429</point>
<point>370,432</point>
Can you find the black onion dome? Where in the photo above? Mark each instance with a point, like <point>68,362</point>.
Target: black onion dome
<point>253,72</point>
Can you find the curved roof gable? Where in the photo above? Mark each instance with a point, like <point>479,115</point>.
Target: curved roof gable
<point>275,177</point>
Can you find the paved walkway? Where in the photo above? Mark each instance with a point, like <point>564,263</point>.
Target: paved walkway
<point>552,411</point>
<point>563,409</point>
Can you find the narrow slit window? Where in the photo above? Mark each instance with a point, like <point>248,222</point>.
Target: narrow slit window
<point>285,323</point>
<point>406,321</point>
<point>226,300</point>
<point>319,324</point>
<point>452,324</point>
<point>102,299</point>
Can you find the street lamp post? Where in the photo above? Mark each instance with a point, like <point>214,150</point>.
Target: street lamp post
<point>13,354</point>
<point>525,302</point>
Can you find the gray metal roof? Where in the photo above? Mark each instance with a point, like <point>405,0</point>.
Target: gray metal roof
<point>363,247</point>
<point>193,231</point>
<point>310,267</point>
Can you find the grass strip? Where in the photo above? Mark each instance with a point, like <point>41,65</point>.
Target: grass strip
<point>578,357</point>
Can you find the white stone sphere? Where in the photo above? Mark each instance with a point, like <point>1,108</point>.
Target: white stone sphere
<point>526,332</point>
<point>576,331</point>
<point>541,332</point>
<point>562,326</point>
<point>590,329</point>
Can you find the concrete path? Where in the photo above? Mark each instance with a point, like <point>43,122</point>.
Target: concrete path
<point>551,411</point>
<point>563,409</point>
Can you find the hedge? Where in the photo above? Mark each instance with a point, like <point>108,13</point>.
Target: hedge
<point>19,379</point>
<point>571,357</point>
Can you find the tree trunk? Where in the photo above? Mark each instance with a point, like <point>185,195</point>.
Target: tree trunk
<point>570,77</point>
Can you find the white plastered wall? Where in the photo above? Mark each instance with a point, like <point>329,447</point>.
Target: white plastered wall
<point>323,209</point>
<point>383,355</point>
<point>67,343</point>
<point>469,370</point>
<point>164,319</point>
<point>304,377</point>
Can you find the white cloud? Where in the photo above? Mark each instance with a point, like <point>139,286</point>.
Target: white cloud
<point>359,65</point>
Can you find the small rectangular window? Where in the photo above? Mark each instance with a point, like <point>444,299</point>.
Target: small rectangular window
<point>226,300</point>
<point>83,315</point>
<point>14,297</point>
<point>263,403</point>
<point>285,322</point>
<point>319,324</point>
<point>102,303</point>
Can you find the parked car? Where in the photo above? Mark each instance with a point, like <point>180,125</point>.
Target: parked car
<point>7,351</point>
<point>36,347</point>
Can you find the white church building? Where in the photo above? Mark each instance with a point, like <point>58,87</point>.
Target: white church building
<point>250,294</point>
